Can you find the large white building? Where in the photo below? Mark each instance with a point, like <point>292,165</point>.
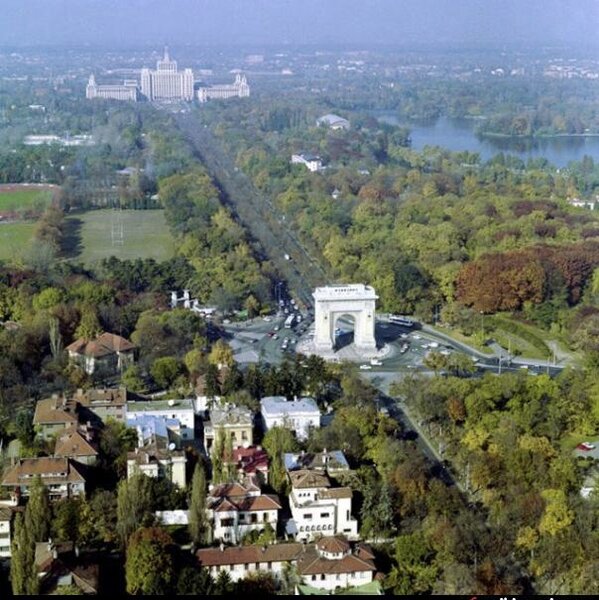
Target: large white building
<point>181,410</point>
<point>166,82</point>
<point>301,416</point>
<point>127,91</point>
<point>238,89</point>
<point>318,508</point>
<point>312,162</point>
<point>6,516</point>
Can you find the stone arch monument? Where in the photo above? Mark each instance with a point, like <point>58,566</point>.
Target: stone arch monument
<point>335,301</point>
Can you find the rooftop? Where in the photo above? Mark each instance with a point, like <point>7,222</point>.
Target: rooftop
<point>103,345</point>
<point>341,292</point>
<point>230,414</point>
<point>279,405</point>
<point>326,460</point>
<point>159,405</point>
<point>50,469</point>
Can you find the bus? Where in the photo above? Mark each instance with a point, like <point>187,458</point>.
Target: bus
<point>289,321</point>
<point>399,320</point>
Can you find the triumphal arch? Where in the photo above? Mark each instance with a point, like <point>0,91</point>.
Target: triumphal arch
<point>331,303</point>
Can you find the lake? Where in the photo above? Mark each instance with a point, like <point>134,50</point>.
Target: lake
<point>458,135</point>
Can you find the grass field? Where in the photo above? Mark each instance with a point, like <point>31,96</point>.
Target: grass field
<point>19,200</point>
<point>145,234</point>
<point>15,239</point>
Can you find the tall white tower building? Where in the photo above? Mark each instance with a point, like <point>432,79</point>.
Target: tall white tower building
<point>166,82</point>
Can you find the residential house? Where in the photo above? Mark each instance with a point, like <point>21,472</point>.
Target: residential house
<point>77,443</point>
<point>61,564</point>
<point>53,415</point>
<point>64,478</point>
<point>102,403</point>
<point>318,508</point>
<point>236,509</point>
<point>300,415</point>
<point>156,460</point>
<point>331,462</point>
<point>6,517</point>
<point>312,162</point>
<point>252,461</point>
<point>107,354</point>
<point>235,422</point>
<point>334,122</point>
<point>179,414</point>
<point>328,565</point>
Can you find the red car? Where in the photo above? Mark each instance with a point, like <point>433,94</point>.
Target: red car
<point>585,446</point>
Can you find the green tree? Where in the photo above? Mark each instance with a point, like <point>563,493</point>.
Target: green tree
<point>198,522</point>
<point>134,505</point>
<point>194,581</point>
<point>23,574</point>
<point>132,379</point>
<point>223,586</point>
<point>277,441</point>
<point>38,512</point>
<point>65,524</point>
<point>89,326</point>
<point>165,371</point>
<point>149,569</point>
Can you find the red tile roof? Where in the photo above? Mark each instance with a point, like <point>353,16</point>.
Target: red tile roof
<point>50,469</point>
<point>103,345</point>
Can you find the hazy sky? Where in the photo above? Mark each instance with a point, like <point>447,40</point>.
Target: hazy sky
<point>263,22</point>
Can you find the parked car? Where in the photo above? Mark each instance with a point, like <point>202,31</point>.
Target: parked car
<point>585,446</point>
<point>365,367</point>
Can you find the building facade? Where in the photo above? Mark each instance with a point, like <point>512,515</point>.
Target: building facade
<point>318,508</point>
<point>235,422</point>
<point>6,516</point>
<point>62,477</point>
<point>311,162</point>
<point>167,82</point>
<point>127,91</point>
<point>330,564</point>
<point>236,509</point>
<point>300,415</point>
<point>179,411</point>
<point>238,89</point>
<point>108,354</point>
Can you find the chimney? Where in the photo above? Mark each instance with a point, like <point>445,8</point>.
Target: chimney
<point>222,547</point>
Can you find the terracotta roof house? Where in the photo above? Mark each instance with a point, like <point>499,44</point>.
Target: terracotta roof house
<point>63,477</point>
<point>236,509</point>
<point>61,565</point>
<point>103,403</point>
<point>53,415</point>
<point>77,443</point>
<point>331,564</point>
<point>107,354</point>
<point>252,461</point>
<point>318,508</point>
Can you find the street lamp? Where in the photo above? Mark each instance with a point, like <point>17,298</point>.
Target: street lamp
<point>482,324</point>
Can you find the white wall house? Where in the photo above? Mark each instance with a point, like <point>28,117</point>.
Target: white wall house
<point>318,508</point>
<point>329,564</point>
<point>235,510</point>
<point>311,162</point>
<point>154,461</point>
<point>181,410</point>
<point>298,415</point>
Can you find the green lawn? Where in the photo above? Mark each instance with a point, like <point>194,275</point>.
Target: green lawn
<point>27,199</point>
<point>14,239</point>
<point>95,235</point>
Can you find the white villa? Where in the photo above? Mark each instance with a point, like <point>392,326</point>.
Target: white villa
<point>298,415</point>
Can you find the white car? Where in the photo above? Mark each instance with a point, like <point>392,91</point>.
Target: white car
<point>375,363</point>
<point>365,367</point>
<point>417,337</point>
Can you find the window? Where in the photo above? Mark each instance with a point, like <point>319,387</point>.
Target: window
<point>266,517</point>
<point>322,577</point>
<point>269,566</point>
<point>308,516</point>
<point>246,567</point>
<point>353,575</point>
<point>253,518</point>
<point>244,435</point>
<point>313,577</point>
<point>257,566</point>
<point>325,515</point>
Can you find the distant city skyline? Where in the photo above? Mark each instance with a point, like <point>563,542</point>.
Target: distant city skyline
<point>124,23</point>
